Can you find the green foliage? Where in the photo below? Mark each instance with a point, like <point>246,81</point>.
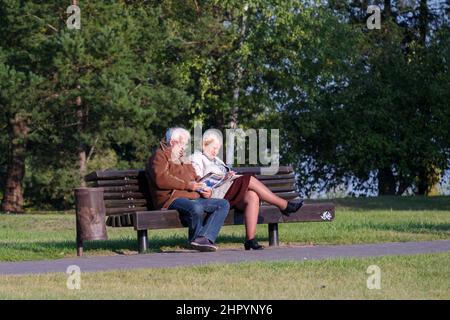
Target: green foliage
<point>120,65</point>
<point>349,103</point>
<point>384,114</point>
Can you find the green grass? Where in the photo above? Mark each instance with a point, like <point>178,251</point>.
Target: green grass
<point>402,277</point>
<point>417,203</point>
<point>41,235</point>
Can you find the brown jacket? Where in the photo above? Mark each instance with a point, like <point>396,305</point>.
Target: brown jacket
<point>168,180</point>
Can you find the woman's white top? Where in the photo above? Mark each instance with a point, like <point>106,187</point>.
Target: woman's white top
<point>204,165</point>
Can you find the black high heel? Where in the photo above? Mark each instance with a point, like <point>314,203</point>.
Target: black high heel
<point>252,244</point>
<point>292,206</point>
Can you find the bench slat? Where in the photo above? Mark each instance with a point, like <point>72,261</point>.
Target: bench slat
<point>280,182</point>
<point>126,220</point>
<point>284,192</point>
<point>125,203</point>
<point>121,189</point>
<point>275,176</point>
<point>257,170</point>
<point>113,183</point>
<point>277,190</point>
<point>112,174</point>
<point>134,174</point>
<point>287,195</point>
<point>108,221</point>
<point>115,211</point>
<point>109,186</point>
<point>123,195</point>
<point>117,221</point>
<point>309,212</point>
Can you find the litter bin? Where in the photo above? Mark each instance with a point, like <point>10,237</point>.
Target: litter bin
<point>90,216</point>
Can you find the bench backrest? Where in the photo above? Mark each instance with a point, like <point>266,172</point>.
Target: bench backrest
<point>126,191</point>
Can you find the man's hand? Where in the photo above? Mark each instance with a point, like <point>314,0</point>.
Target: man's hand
<point>206,193</point>
<point>193,186</point>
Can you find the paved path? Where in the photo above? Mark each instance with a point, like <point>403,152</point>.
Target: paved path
<point>175,259</point>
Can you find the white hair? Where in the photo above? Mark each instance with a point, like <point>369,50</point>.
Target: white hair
<point>212,135</point>
<point>176,133</point>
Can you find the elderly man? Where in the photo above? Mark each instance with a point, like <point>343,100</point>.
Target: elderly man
<point>173,185</point>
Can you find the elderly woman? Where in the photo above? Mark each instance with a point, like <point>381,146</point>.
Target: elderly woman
<point>244,193</point>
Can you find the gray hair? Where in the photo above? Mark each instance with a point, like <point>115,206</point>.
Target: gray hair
<point>176,133</point>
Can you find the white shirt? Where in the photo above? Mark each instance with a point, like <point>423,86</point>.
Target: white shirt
<point>204,165</point>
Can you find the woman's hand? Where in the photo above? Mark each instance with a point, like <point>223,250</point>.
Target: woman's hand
<point>230,174</point>
<point>206,193</point>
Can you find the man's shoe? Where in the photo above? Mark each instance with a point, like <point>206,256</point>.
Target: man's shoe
<point>293,206</point>
<point>203,244</point>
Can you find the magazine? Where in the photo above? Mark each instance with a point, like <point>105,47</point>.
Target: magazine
<point>215,180</point>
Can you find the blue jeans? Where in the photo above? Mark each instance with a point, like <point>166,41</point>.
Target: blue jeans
<point>192,215</point>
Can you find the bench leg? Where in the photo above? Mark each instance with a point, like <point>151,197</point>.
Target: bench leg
<point>79,248</point>
<point>273,234</point>
<point>142,240</point>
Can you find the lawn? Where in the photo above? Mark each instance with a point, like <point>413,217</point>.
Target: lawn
<point>44,235</point>
<point>402,277</point>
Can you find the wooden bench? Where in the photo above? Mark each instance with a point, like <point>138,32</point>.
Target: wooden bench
<point>128,204</point>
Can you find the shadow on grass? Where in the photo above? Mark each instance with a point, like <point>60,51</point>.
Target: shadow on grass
<point>117,246</point>
<point>158,243</point>
<point>413,203</point>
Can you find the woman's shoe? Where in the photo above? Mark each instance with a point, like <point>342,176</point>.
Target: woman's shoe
<point>292,206</point>
<point>252,244</point>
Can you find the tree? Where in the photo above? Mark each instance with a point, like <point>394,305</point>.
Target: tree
<point>386,120</point>
<point>118,64</point>
<point>116,89</point>
<point>19,93</point>
<point>16,95</point>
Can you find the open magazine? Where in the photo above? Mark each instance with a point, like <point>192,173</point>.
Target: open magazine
<point>215,180</point>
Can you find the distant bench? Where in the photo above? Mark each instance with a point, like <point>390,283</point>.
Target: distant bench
<point>128,204</point>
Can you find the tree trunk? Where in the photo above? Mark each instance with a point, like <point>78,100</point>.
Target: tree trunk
<point>82,155</point>
<point>13,192</point>
<point>239,73</point>
<point>423,21</point>
<point>364,5</point>
<point>403,185</point>
<point>362,16</point>
<point>422,185</point>
<point>386,182</point>
<point>236,91</point>
<point>427,179</point>
<point>387,8</point>
<point>81,120</point>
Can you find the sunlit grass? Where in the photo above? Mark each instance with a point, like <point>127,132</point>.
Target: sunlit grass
<point>402,277</point>
<point>364,220</point>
